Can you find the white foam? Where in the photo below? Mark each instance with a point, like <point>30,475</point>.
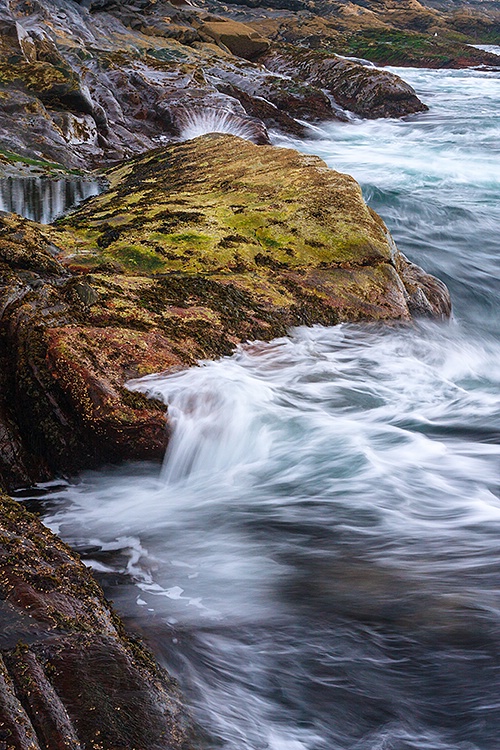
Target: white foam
<point>212,120</point>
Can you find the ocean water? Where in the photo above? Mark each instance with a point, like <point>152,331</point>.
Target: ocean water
<point>318,559</point>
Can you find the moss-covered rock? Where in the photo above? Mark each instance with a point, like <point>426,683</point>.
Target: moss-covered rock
<point>194,248</point>
<point>281,228</point>
<point>391,32</point>
<point>409,48</point>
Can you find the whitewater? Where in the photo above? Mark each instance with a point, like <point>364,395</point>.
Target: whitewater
<point>318,559</point>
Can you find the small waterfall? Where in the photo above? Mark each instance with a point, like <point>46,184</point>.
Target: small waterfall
<point>44,199</point>
<point>213,120</point>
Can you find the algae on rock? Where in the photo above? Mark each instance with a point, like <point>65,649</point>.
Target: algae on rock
<point>277,225</point>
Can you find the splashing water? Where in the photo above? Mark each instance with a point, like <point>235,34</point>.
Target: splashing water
<point>212,120</point>
<point>319,559</point>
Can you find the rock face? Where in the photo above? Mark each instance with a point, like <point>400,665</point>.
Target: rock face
<point>239,39</point>
<point>368,92</point>
<point>69,677</point>
<point>195,247</point>
<point>63,398</point>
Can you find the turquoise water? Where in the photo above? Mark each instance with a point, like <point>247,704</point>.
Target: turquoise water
<point>318,560</point>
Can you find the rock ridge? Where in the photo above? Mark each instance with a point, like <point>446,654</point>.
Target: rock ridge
<point>69,676</point>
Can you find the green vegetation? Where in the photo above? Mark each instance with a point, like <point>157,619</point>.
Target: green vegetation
<point>49,166</point>
<point>394,47</point>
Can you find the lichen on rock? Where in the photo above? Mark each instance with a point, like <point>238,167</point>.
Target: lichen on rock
<point>276,225</point>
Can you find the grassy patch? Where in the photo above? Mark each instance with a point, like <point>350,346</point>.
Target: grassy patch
<point>41,163</point>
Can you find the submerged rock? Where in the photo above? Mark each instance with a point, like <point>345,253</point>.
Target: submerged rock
<point>69,676</point>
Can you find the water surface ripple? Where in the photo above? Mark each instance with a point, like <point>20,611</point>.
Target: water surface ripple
<point>318,560</point>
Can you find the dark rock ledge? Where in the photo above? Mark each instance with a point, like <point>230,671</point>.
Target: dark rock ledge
<point>70,678</point>
<point>194,248</point>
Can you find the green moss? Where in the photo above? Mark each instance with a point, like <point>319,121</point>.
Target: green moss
<point>188,237</point>
<point>169,55</point>
<point>397,47</point>
<point>138,259</point>
<point>49,166</point>
<point>258,211</point>
<point>229,224</point>
<point>39,77</point>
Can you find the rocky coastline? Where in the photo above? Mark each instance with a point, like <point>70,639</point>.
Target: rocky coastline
<point>196,245</point>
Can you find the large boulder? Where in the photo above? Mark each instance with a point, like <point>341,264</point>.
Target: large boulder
<point>369,92</point>
<point>277,225</point>
<point>238,38</point>
<point>195,247</point>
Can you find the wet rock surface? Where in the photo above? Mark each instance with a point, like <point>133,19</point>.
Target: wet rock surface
<point>368,92</point>
<point>75,680</point>
<point>56,361</point>
<point>92,84</point>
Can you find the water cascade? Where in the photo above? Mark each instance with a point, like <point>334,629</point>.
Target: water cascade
<point>44,199</point>
<point>215,120</point>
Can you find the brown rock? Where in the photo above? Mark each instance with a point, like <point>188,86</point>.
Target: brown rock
<point>369,92</point>
<point>238,38</point>
<point>79,682</point>
<point>427,296</point>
